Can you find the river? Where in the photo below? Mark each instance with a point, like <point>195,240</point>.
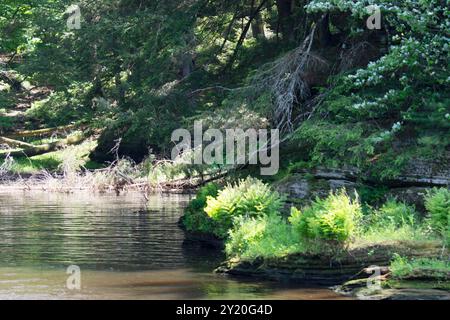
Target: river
<point>124,246</point>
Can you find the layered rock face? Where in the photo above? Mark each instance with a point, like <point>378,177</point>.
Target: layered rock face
<point>323,269</point>
<point>410,186</point>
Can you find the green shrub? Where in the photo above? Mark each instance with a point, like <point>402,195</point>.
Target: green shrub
<point>394,214</point>
<point>63,107</point>
<point>437,203</point>
<point>266,236</point>
<point>393,221</point>
<point>402,267</point>
<point>399,86</point>
<point>372,195</point>
<point>195,219</point>
<point>250,198</point>
<point>333,220</point>
<point>6,123</point>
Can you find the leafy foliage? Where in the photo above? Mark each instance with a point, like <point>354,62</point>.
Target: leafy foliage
<point>395,214</point>
<point>264,236</point>
<point>195,219</point>
<point>250,198</point>
<point>326,226</point>
<point>231,63</point>
<point>64,107</point>
<point>333,220</point>
<point>394,107</point>
<point>402,267</point>
<point>364,98</point>
<point>393,221</point>
<point>437,202</point>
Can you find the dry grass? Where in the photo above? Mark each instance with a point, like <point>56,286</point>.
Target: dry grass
<point>119,176</point>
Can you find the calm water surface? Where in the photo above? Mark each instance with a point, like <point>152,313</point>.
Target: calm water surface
<point>126,247</point>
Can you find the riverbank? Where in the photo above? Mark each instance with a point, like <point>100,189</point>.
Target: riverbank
<point>323,269</point>
<point>120,176</point>
<point>330,241</point>
<point>360,273</point>
<point>281,257</point>
<point>428,288</point>
<point>346,270</point>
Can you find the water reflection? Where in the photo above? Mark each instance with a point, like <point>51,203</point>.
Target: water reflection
<point>127,248</point>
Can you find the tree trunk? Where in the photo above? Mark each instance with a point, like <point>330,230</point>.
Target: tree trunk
<point>15,143</point>
<point>187,65</point>
<point>45,148</point>
<point>286,22</point>
<point>245,30</point>
<point>258,27</point>
<point>324,34</point>
<point>120,88</point>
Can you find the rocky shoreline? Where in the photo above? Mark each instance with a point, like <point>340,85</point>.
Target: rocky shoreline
<point>321,269</point>
<point>428,288</point>
<point>348,274</point>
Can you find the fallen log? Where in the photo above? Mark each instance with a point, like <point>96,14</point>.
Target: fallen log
<point>15,143</point>
<point>45,148</point>
<point>39,132</point>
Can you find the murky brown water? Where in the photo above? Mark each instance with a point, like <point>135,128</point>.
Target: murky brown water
<point>126,248</point>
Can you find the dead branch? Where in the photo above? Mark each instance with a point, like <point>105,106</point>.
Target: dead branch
<point>212,88</point>
<point>228,32</point>
<point>354,56</point>
<point>285,80</point>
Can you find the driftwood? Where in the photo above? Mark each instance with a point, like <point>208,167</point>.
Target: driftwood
<point>45,148</point>
<point>40,132</point>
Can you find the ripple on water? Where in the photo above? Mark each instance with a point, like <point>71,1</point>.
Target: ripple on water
<point>126,247</point>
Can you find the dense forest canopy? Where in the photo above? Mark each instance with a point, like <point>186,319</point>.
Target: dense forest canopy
<point>341,93</point>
